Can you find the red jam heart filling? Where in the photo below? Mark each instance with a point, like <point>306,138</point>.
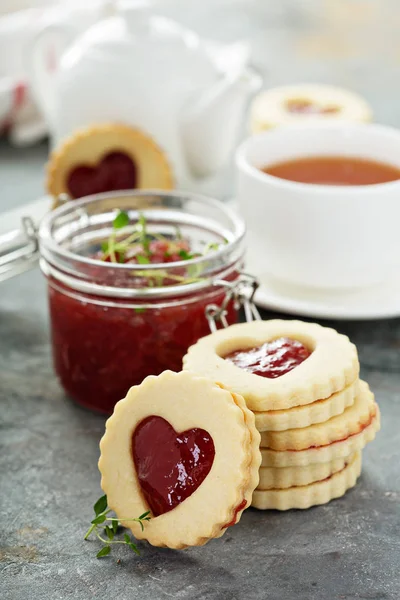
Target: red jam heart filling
<point>309,108</point>
<point>116,171</point>
<point>272,359</point>
<point>170,466</point>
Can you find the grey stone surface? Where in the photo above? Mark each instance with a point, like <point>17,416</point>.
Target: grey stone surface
<point>347,550</point>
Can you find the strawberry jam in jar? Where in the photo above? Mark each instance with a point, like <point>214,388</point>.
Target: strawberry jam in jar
<point>130,276</point>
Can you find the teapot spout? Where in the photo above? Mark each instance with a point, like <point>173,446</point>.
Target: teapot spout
<point>211,124</point>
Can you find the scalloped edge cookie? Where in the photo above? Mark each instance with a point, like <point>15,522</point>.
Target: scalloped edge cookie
<point>323,454</point>
<point>332,365</point>
<point>270,108</point>
<point>320,492</point>
<point>185,401</point>
<point>88,146</point>
<point>309,414</point>
<point>350,422</point>
<point>286,477</point>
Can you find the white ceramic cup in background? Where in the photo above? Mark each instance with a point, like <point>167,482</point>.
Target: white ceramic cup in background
<point>319,235</point>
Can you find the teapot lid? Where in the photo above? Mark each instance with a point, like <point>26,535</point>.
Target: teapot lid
<point>136,13</point>
<point>147,40</point>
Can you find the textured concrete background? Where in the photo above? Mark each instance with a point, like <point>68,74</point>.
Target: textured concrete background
<point>347,550</point>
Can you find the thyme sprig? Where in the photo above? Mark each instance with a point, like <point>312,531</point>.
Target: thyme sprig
<point>139,240</point>
<point>138,246</point>
<point>105,528</point>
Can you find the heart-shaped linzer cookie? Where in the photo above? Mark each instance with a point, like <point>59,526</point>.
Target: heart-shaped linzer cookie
<point>116,171</point>
<point>170,466</point>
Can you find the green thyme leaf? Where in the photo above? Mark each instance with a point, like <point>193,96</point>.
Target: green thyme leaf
<point>101,505</point>
<point>103,552</point>
<point>145,515</point>
<point>115,526</point>
<point>142,260</point>
<point>98,520</point>
<point>121,220</point>
<point>104,247</point>
<point>140,310</point>
<point>134,548</point>
<point>185,255</point>
<point>210,247</point>
<point>109,532</point>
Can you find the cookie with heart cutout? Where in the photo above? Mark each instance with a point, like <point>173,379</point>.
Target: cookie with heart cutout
<point>104,158</point>
<point>185,449</point>
<point>319,492</point>
<point>276,364</point>
<point>352,421</point>
<point>306,103</point>
<point>286,477</point>
<point>299,417</point>
<point>321,454</point>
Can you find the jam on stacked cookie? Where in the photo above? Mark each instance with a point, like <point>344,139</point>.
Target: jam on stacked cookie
<point>314,414</point>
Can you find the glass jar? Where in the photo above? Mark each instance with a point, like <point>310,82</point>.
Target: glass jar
<point>113,324</point>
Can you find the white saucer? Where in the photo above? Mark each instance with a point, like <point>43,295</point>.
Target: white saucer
<point>372,303</point>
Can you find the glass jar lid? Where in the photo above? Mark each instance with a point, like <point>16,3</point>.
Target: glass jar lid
<point>71,237</point>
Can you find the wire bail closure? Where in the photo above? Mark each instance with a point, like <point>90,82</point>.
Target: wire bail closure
<point>241,292</point>
<point>19,250</point>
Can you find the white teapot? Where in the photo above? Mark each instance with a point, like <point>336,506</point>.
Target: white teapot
<point>151,73</point>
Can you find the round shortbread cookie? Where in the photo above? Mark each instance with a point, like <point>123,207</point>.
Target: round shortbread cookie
<point>306,103</point>
<point>87,148</point>
<point>210,435</point>
<point>308,414</point>
<point>316,493</point>
<point>323,454</point>
<point>350,422</point>
<point>286,477</point>
<point>331,367</point>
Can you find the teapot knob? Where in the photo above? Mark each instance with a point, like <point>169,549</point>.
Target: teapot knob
<point>136,13</point>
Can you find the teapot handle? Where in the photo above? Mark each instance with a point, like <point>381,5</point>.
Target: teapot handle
<point>44,51</point>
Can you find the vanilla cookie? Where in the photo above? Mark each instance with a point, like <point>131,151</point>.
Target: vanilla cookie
<point>308,414</point>
<point>185,449</point>
<point>104,158</point>
<point>350,422</point>
<point>286,477</point>
<point>323,454</point>
<point>306,103</point>
<point>318,362</point>
<point>313,494</point>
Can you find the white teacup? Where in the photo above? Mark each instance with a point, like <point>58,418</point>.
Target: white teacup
<point>320,235</point>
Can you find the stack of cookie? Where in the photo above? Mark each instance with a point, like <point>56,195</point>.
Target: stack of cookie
<point>314,414</point>
<point>307,465</point>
